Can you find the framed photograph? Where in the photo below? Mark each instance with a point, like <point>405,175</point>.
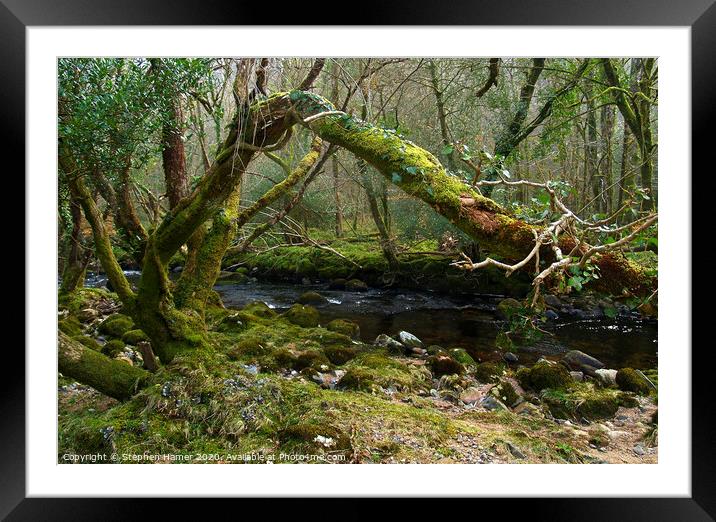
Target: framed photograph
<point>428,242</point>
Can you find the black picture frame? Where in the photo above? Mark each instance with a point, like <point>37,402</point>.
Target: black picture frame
<point>700,15</point>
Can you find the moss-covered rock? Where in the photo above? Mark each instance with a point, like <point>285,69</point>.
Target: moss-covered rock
<point>544,375</point>
<point>89,342</point>
<point>278,359</point>
<point>320,435</point>
<point>508,308</point>
<point>445,365</point>
<point>250,346</point>
<point>311,298</point>
<point>260,309</point>
<point>134,336</point>
<point>339,354</point>
<point>488,372</point>
<point>506,392</point>
<point>305,316</point>
<point>345,327</point>
<point>356,285</point>
<point>629,379</point>
<point>311,359</point>
<point>116,325</point>
<point>434,349</point>
<point>461,356</point>
<point>70,326</point>
<point>359,379</point>
<point>236,322</point>
<point>583,401</point>
<point>113,348</point>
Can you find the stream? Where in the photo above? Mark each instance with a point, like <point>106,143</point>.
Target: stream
<point>452,321</point>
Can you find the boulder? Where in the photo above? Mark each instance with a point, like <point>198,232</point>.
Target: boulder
<point>507,308</point>
<point>385,341</point>
<point>490,403</point>
<point>311,298</point>
<point>356,285</point>
<point>337,284</point>
<point>510,358</point>
<point>445,365</point>
<point>581,362</point>
<point>305,316</point>
<point>629,379</point>
<point>606,377</point>
<point>543,375</point>
<point>116,325</point>
<point>345,327</point>
<point>552,301</point>
<point>408,339</point>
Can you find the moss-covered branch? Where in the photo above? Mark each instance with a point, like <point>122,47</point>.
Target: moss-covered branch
<point>421,175</point>
<point>113,378</point>
<point>103,246</point>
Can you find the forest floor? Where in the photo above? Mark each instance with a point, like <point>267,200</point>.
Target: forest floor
<point>282,388</point>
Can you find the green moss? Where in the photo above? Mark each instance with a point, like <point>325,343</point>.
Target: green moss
<point>89,342</point>
<point>70,326</point>
<point>236,322</point>
<point>488,372</point>
<point>311,359</point>
<point>340,355</point>
<point>311,298</point>
<point>545,375</point>
<point>259,309</point>
<point>507,308</point>
<point>461,356</point>
<point>305,316</point>
<point>313,433</point>
<point>629,380</point>
<point>345,327</point>
<point>116,325</point>
<point>113,348</point>
<point>134,337</point>
<point>582,401</point>
<point>250,346</point>
<point>377,368</point>
<point>359,379</point>
<point>505,392</point>
<point>356,285</point>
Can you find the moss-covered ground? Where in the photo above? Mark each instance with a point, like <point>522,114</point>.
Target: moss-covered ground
<point>274,390</point>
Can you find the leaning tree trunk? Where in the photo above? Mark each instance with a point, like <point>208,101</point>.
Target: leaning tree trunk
<point>421,175</point>
<point>113,378</point>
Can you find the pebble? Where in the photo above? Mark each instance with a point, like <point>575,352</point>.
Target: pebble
<point>510,358</point>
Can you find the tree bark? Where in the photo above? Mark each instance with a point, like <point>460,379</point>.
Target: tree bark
<point>73,275</point>
<point>114,378</point>
<point>442,118</point>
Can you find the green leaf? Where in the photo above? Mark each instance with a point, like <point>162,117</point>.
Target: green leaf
<point>397,178</point>
<point>448,149</point>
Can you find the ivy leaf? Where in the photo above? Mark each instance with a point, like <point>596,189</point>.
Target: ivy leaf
<point>448,149</point>
<point>575,282</point>
<point>397,178</point>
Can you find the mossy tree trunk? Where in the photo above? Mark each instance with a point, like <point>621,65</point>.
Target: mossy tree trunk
<point>420,174</point>
<point>113,378</point>
<point>73,274</point>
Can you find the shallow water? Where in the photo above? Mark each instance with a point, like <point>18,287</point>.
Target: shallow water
<point>452,321</point>
<point>459,321</point>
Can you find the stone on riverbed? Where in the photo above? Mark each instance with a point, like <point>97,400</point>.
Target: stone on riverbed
<point>408,339</point>
<point>581,362</point>
<point>385,341</point>
<point>311,298</point>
